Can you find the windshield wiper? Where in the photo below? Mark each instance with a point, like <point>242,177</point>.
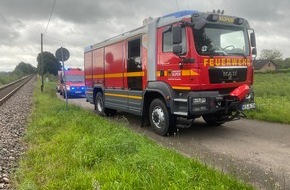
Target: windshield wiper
<point>239,54</point>
<point>213,52</point>
<point>220,52</point>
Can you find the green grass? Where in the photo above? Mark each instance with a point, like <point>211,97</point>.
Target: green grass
<point>8,77</point>
<point>76,149</point>
<point>272,97</point>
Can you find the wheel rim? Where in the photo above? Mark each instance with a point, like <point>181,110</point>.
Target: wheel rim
<point>158,117</point>
<point>100,104</point>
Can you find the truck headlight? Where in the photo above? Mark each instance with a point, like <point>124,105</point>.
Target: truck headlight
<point>250,97</point>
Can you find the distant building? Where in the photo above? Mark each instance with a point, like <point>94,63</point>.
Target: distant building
<point>264,65</point>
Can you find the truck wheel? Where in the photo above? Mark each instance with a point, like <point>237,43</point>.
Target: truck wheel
<point>160,119</point>
<point>213,120</point>
<point>99,106</point>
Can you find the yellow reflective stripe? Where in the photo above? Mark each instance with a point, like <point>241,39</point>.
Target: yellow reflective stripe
<point>94,76</point>
<point>165,73</point>
<point>181,87</point>
<point>114,75</point>
<point>124,96</point>
<point>88,77</point>
<point>118,75</point>
<point>141,74</point>
<point>134,74</point>
<point>189,73</point>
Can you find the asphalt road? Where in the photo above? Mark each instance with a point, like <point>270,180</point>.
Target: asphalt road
<point>254,151</point>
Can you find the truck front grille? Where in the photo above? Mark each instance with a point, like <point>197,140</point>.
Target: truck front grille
<point>227,75</point>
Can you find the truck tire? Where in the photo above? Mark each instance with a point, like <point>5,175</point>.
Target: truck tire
<point>99,106</point>
<point>212,120</point>
<point>161,120</point>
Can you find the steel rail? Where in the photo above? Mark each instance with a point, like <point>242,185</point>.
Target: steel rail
<point>8,90</point>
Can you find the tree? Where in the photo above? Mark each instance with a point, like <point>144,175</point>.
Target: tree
<point>50,63</point>
<point>271,54</point>
<point>24,68</point>
<point>287,62</point>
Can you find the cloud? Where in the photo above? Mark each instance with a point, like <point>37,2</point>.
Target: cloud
<point>9,29</point>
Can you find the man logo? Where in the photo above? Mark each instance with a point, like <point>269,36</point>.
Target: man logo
<point>230,74</point>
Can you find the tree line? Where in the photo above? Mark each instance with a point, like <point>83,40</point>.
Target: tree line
<point>22,69</point>
<point>51,66</point>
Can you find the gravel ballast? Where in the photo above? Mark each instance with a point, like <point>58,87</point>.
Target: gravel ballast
<point>13,119</point>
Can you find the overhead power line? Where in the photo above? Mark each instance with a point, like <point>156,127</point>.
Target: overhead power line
<point>63,41</point>
<point>50,16</point>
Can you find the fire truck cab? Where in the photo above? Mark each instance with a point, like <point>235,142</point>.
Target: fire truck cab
<point>186,64</point>
<point>71,82</point>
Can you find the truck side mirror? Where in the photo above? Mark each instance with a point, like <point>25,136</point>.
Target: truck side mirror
<point>176,35</point>
<point>177,49</point>
<point>253,39</point>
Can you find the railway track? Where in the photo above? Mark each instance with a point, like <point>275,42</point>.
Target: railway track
<point>8,90</point>
<point>14,113</point>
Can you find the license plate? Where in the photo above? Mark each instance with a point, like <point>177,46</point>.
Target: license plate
<point>78,92</point>
<point>248,106</point>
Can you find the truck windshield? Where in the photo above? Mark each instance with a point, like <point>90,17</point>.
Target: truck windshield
<point>221,40</point>
<point>74,78</point>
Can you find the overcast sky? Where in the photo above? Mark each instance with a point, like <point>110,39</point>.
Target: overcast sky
<point>75,24</point>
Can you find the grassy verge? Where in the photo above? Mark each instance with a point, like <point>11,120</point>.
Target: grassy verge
<point>7,77</point>
<point>272,97</point>
<point>76,149</point>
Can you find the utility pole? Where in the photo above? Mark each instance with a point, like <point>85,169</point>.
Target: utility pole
<point>42,62</point>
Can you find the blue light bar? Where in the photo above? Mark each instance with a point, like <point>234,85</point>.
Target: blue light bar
<point>181,13</point>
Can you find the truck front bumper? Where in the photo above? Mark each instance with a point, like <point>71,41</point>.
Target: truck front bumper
<point>200,103</point>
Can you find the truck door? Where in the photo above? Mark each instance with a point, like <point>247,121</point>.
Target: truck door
<point>168,68</point>
<point>134,65</point>
<point>134,76</point>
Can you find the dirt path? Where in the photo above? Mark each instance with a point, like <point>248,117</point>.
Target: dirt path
<point>257,152</point>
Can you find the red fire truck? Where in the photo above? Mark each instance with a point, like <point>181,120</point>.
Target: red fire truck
<point>186,64</point>
<point>71,82</point>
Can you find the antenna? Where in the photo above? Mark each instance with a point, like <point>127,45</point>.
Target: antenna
<point>187,4</point>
